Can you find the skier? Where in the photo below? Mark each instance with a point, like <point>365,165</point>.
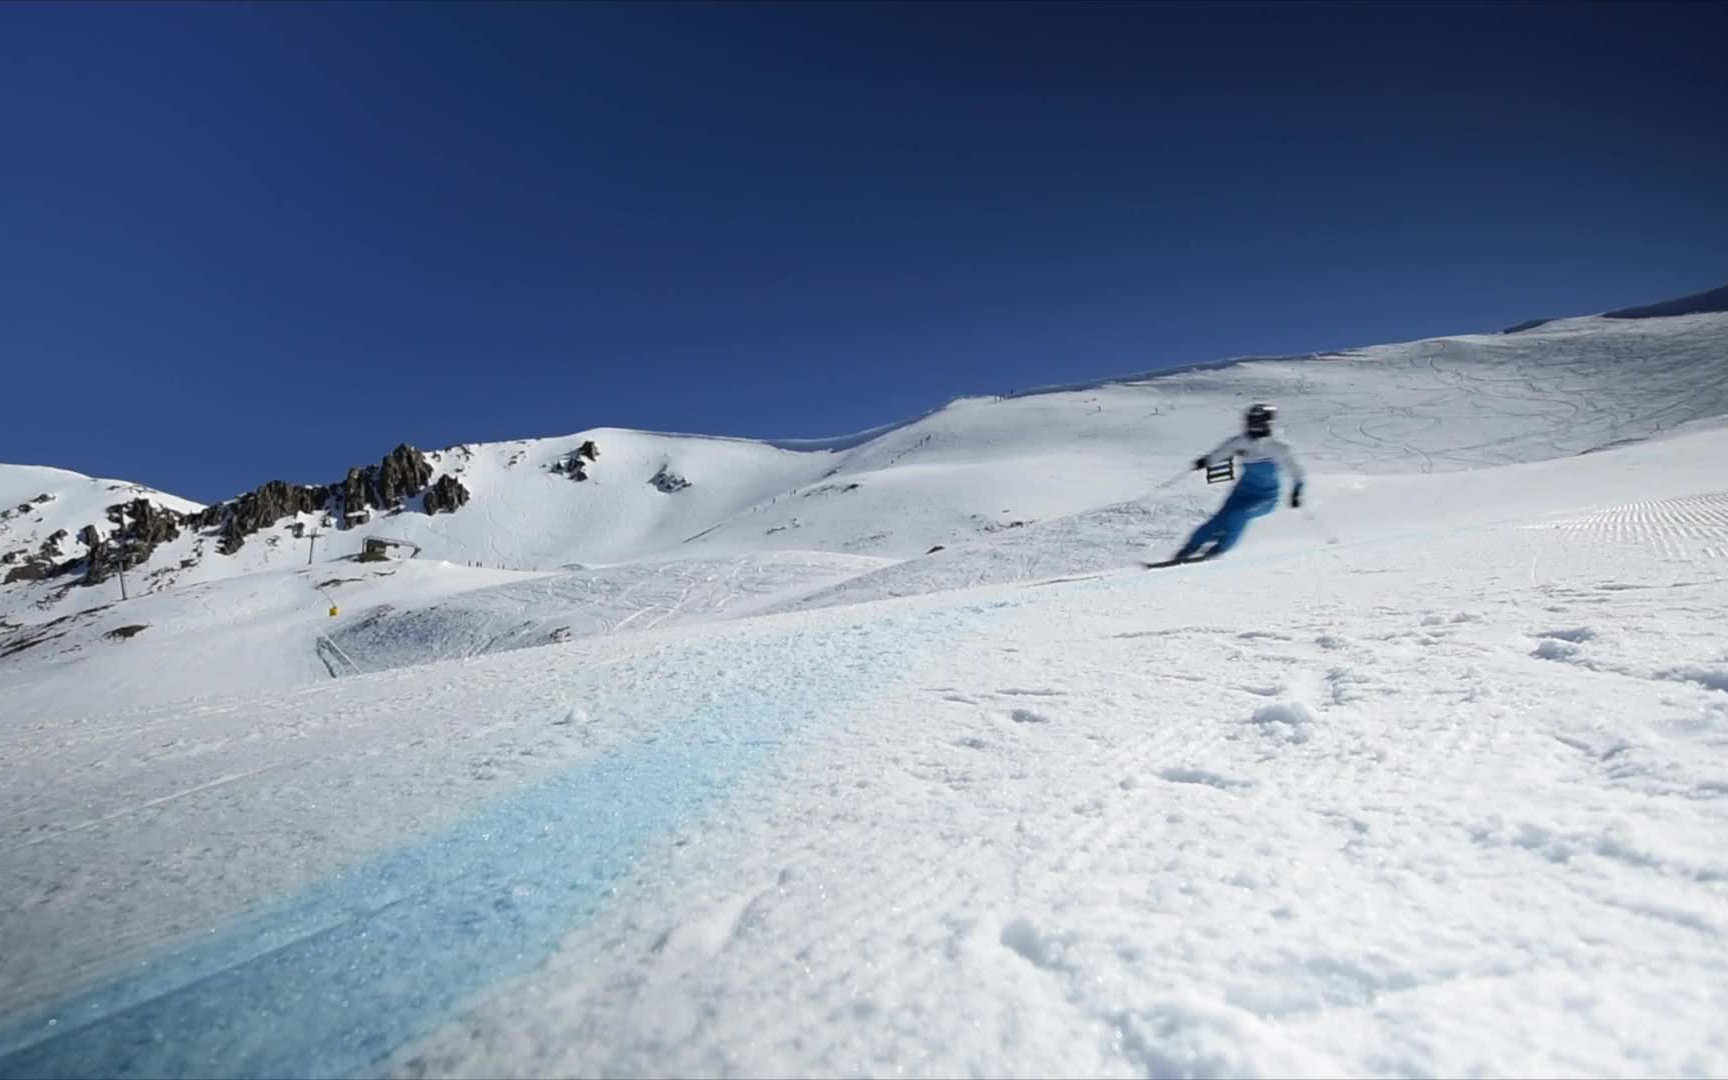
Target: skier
<point>1255,494</point>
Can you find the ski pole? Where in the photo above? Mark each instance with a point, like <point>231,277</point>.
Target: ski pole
<point>1179,476</point>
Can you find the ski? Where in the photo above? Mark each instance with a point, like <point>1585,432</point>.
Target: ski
<point>1175,562</point>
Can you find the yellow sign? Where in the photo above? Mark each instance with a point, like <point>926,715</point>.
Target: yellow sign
<point>332,611</point>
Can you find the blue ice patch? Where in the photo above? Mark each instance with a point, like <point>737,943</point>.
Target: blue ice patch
<point>331,982</point>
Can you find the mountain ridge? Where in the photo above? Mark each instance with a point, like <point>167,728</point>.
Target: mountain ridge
<point>540,504</point>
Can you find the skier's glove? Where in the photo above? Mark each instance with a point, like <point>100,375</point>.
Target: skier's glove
<point>1296,498</point>
<point>1199,463</point>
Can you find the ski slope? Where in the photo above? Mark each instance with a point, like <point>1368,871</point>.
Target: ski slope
<point>1059,481</point>
<point>1443,796</point>
<point>964,473</point>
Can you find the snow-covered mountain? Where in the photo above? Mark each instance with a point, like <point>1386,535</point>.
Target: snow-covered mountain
<point>963,474</point>
<point>536,541</point>
<point>657,754</point>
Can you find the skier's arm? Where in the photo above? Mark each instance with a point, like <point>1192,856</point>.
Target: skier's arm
<point>1226,450</point>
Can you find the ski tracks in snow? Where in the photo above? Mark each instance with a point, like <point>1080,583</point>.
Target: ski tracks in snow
<point>476,892</point>
<point>1372,827</point>
<point>1334,814</point>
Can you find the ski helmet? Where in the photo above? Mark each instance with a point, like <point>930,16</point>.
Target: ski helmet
<point>1259,419</point>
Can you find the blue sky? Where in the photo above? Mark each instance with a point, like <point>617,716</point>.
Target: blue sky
<point>247,242</point>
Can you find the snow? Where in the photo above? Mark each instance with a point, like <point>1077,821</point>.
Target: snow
<point>759,787</point>
<point>37,502</point>
<point>968,471</point>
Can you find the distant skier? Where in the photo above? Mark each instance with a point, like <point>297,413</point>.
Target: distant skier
<point>1255,494</point>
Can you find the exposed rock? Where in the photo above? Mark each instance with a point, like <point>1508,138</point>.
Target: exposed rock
<point>26,507</point>
<point>403,472</point>
<point>256,511</point>
<point>575,464</point>
<point>832,489</point>
<point>151,524</point>
<point>29,570</point>
<point>668,481</point>
<point>142,528</point>
<point>356,490</point>
<point>44,563</point>
<point>263,507</point>
<point>121,633</point>
<point>447,494</point>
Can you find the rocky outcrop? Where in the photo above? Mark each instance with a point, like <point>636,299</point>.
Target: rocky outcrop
<point>403,472</point>
<point>256,510</point>
<point>259,509</point>
<point>29,568</point>
<point>447,494</point>
<point>43,563</point>
<point>356,491</point>
<point>668,481</point>
<point>575,464</point>
<point>140,528</point>
<point>25,508</point>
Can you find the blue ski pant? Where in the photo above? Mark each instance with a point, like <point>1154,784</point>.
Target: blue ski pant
<point>1255,495</point>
